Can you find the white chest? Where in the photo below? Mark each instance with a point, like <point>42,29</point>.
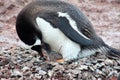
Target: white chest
<point>57,40</point>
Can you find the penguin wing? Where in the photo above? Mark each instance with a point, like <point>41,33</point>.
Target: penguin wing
<point>64,25</point>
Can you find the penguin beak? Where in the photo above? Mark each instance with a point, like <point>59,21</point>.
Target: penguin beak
<point>38,49</point>
<point>52,56</point>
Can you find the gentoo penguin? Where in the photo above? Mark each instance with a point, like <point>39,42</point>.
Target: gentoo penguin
<point>61,27</point>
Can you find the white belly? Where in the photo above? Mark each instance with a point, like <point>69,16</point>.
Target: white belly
<point>57,40</point>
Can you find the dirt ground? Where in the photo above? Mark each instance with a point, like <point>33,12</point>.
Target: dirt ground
<point>103,14</point>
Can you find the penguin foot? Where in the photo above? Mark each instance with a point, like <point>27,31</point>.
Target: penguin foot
<point>60,60</point>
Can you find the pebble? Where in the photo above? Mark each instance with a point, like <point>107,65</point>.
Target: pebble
<point>25,68</point>
<point>99,79</point>
<point>108,62</point>
<point>118,61</point>
<point>16,73</point>
<point>32,67</point>
<point>38,76</point>
<point>100,60</point>
<point>98,71</point>
<point>76,71</point>
<point>118,76</point>
<point>112,73</point>
<point>27,73</point>
<point>117,68</point>
<point>83,67</point>
<point>91,68</point>
<point>4,60</point>
<point>41,71</point>
<point>88,64</point>
<point>50,73</point>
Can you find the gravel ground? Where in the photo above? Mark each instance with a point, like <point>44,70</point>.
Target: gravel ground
<point>17,62</point>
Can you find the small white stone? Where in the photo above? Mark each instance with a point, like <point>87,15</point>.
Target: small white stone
<point>50,73</point>
<point>40,71</point>
<point>91,68</point>
<point>83,67</point>
<point>108,62</point>
<point>99,79</point>
<point>17,73</point>
<point>38,76</point>
<point>25,68</point>
<point>76,71</point>
<point>112,73</point>
<point>98,71</point>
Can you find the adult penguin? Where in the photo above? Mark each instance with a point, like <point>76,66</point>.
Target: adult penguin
<point>60,27</point>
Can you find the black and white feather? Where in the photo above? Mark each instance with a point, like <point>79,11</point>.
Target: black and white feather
<point>63,27</point>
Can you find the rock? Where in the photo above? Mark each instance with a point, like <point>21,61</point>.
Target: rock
<point>38,76</point>
<point>118,61</point>
<point>83,67</point>
<point>117,68</point>
<point>41,71</point>
<point>50,73</point>
<point>88,64</point>
<point>118,77</point>
<point>76,71</point>
<point>26,71</point>
<point>16,73</point>
<point>100,60</point>
<point>112,73</point>
<point>25,68</point>
<point>91,68</point>
<point>99,79</point>
<point>4,60</point>
<point>108,62</point>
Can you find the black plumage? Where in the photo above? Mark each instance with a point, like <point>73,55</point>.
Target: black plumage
<point>62,16</point>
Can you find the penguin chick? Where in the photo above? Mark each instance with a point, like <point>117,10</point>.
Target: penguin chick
<point>63,27</point>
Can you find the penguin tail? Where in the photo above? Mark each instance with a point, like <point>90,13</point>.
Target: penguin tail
<point>113,53</point>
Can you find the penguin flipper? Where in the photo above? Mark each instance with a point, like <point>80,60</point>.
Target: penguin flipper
<point>63,24</point>
<point>66,28</point>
